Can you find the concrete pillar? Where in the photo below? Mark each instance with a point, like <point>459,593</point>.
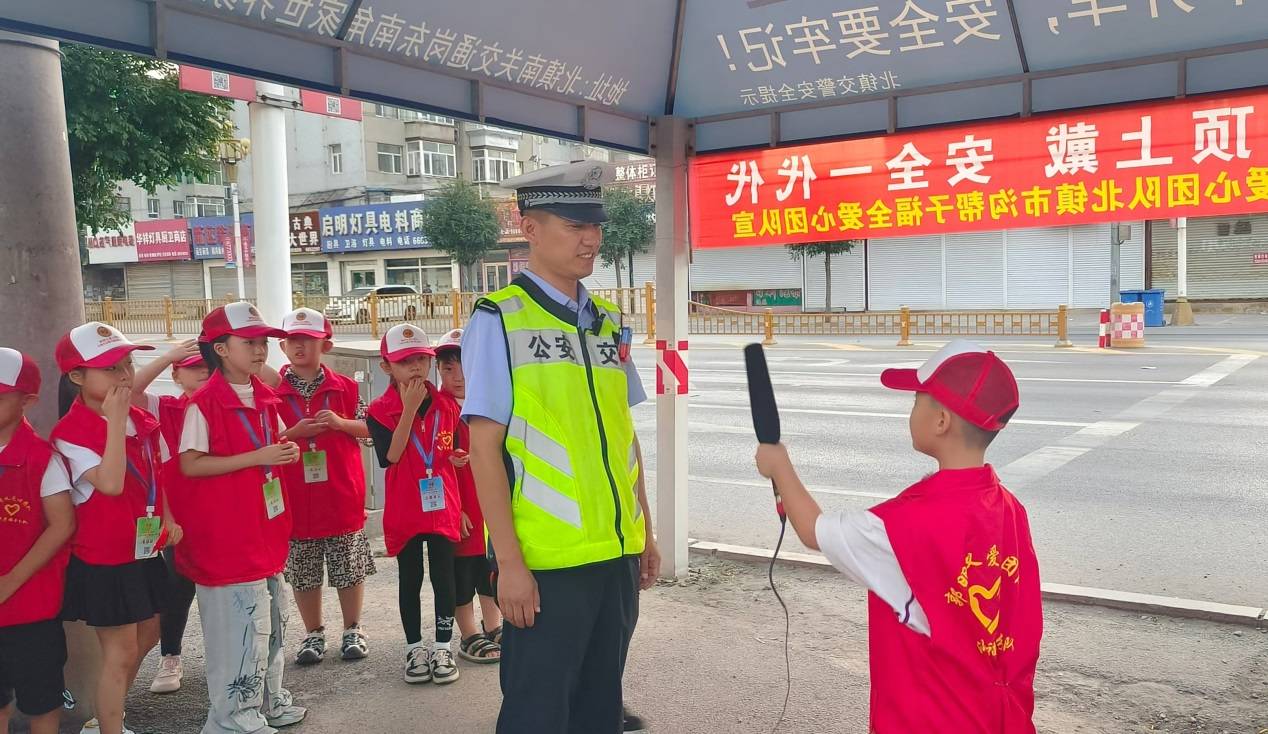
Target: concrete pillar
<point>269,197</point>
<point>1184,311</point>
<point>41,284</point>
<point>673,257</point>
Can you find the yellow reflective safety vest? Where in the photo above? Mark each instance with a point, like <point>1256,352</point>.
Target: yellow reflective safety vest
<point>569,449</point>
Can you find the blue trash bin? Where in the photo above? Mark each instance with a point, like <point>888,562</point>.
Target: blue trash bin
<point>1153,300</point>
<point>1131,296</point>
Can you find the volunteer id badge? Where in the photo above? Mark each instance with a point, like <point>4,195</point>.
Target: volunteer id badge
<point>147,537</point>
<point>433,491</point>
<point>314,467</point>
<point>274,505</point>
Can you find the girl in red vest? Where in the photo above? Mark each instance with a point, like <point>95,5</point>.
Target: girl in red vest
<point>954,609</point>
<point>326,488</point>
<point>36,520</point>
<point>189,372</point>
<point>238,523</point>
<point>472,573</point>
<point>115,580</point>
<point>413,430</point>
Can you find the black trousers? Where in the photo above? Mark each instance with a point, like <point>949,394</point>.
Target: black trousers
<point>175,614</point>
<point>563,674</point>
<point>409,567</point>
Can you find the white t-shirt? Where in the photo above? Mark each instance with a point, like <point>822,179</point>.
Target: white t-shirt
<point>55,480</point>
<point>194,434</point>
<point>82,460</point>
<point>858,546</point>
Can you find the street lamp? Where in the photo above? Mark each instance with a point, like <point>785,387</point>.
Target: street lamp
<point>232,151</point>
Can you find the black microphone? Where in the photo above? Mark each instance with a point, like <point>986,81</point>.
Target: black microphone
<point>761,396</point>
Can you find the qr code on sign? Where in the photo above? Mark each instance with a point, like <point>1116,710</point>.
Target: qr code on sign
<point>220,81</point>
<point>334,106</point>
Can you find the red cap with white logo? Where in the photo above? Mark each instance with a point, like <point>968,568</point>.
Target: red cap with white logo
<point>306,322</point>
<point>239,319</point>
<point>93,345</point>
<point>18,372</point>
<point>452,340</point>
<point>194,361</point>
<point>403,341</point>
<point>970,381</point>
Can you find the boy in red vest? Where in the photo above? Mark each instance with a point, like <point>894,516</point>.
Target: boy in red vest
<point>36,521</point>
<point>325,416</point>
<point>954,607</point>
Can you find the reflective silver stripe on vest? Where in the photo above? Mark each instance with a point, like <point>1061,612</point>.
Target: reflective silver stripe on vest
<point>633,459</point>
<point>546,497</point>
<point>638,506</point>
<point>510,305</point>
<point>541,446</point>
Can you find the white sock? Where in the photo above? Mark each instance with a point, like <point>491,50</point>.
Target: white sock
<point>442,646</point>
<point>412,646</point>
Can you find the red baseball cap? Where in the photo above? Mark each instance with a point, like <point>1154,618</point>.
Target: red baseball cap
<point>93,345</point>
<point>194,361</point>
<point>405,340</point>
<point>18,372</point>
<point>452,340</point>
<point>970,381</point>
<point>239,319</point>
<point>307,322</point>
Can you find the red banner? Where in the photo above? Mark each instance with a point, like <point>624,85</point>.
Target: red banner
<point>162,239</point>
<point>508,221</point>
<point>217,83</point>
<point>1196,157</point>
<point>330,105</point>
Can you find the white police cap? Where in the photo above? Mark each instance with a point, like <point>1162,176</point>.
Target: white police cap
<point>573,191</point>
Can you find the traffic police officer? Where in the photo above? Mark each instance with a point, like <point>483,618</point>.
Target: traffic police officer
<point>557,465</point>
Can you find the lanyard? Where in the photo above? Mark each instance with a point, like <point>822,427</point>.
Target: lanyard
<point>428,458</point>
<point>300,412</point>
<point>150,484</point>
<point>255,440</point>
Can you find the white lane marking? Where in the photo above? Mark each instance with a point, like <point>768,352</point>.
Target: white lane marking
<point>825,374</point>
<point>762,484</point>
<point>873,414</point>
<point>1219,371</point>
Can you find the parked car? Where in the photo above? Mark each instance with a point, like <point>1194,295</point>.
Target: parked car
<point>394,304</point>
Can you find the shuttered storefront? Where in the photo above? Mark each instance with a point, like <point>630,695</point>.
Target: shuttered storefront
<point>975,270</point>
<point>904,271</point>
<point>1091,284</point>
<point>225,281</point>
<point>605,275</point>
<point>847,282</point>
<point>178,280</point>
<point>1038,267</point>
<point>745,268</point>
<point>1221,258</point>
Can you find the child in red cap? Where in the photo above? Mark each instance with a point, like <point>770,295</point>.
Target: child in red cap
<point>413,428</point>
<point>115,581</point>
<point>36,521</point>
<point>955,613</point>
<point>235,510</point>
<point>324,412</point>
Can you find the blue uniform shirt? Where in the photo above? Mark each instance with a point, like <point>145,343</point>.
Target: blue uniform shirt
<point>485,365</point>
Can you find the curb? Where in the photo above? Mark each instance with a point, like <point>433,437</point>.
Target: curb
<point>1167,606</point>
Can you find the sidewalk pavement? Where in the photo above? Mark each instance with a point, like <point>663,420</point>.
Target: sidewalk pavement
<point>708,657</point>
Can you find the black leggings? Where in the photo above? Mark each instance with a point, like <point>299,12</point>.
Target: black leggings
<point>409,568</point>
<point>179,595</point>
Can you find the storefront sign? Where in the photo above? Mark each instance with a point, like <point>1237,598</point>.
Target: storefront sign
<point>112,246</point>
<point>328,104</point>
<point>212,238</point>
<point>518,259</point>
<point>162,239</point>
<point>774,298</point>
<point>373,227</point>
<point>1193,158</point>
<point>1260,258</point>
<point>509,222</point>
<point>305,233</point>
<point>217,83</point>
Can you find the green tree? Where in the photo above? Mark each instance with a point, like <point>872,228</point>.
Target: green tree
<point>630,229</point>
<point>127,120</point>
<point>825,250</point>
<point>461,224</point>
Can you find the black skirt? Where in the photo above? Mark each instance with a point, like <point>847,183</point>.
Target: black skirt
<point>112,596</point>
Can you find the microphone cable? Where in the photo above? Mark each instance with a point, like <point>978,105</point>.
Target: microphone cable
<point>770,576</point>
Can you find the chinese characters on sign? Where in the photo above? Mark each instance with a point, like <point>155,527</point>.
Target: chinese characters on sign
<point>111,246</point>
<point>508,221</point>
<point>413,37</point>
<point>1099,13</point>
<point>639,177</point>
<point>162,239</point>
<point>305,233</point>
<point>373,227</point>
<point>1180,159</point>
<point>212,237</point>
<point>822,88</point>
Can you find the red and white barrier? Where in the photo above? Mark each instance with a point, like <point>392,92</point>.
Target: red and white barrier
<point>1103,335</point>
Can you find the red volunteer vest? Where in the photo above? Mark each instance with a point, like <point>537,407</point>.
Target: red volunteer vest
<point>336,506</point>
<point>474,544</point>
<point>229,538</point>
<point>963,542</point>
<point>22,466</point>
<point>403,515</point>
<point>171,417</point>
<point>105,526</point>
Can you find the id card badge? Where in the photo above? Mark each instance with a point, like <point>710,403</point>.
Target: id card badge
<point>274,505</point>
<point>433,491</point>
<point>147,537</point>
<point>314,467</point>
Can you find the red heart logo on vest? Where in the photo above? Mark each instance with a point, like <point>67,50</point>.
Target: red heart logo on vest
<point>12,509</point>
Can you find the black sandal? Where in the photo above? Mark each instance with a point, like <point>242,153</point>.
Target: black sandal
<point>480,649</point>
<point>495,635</point>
